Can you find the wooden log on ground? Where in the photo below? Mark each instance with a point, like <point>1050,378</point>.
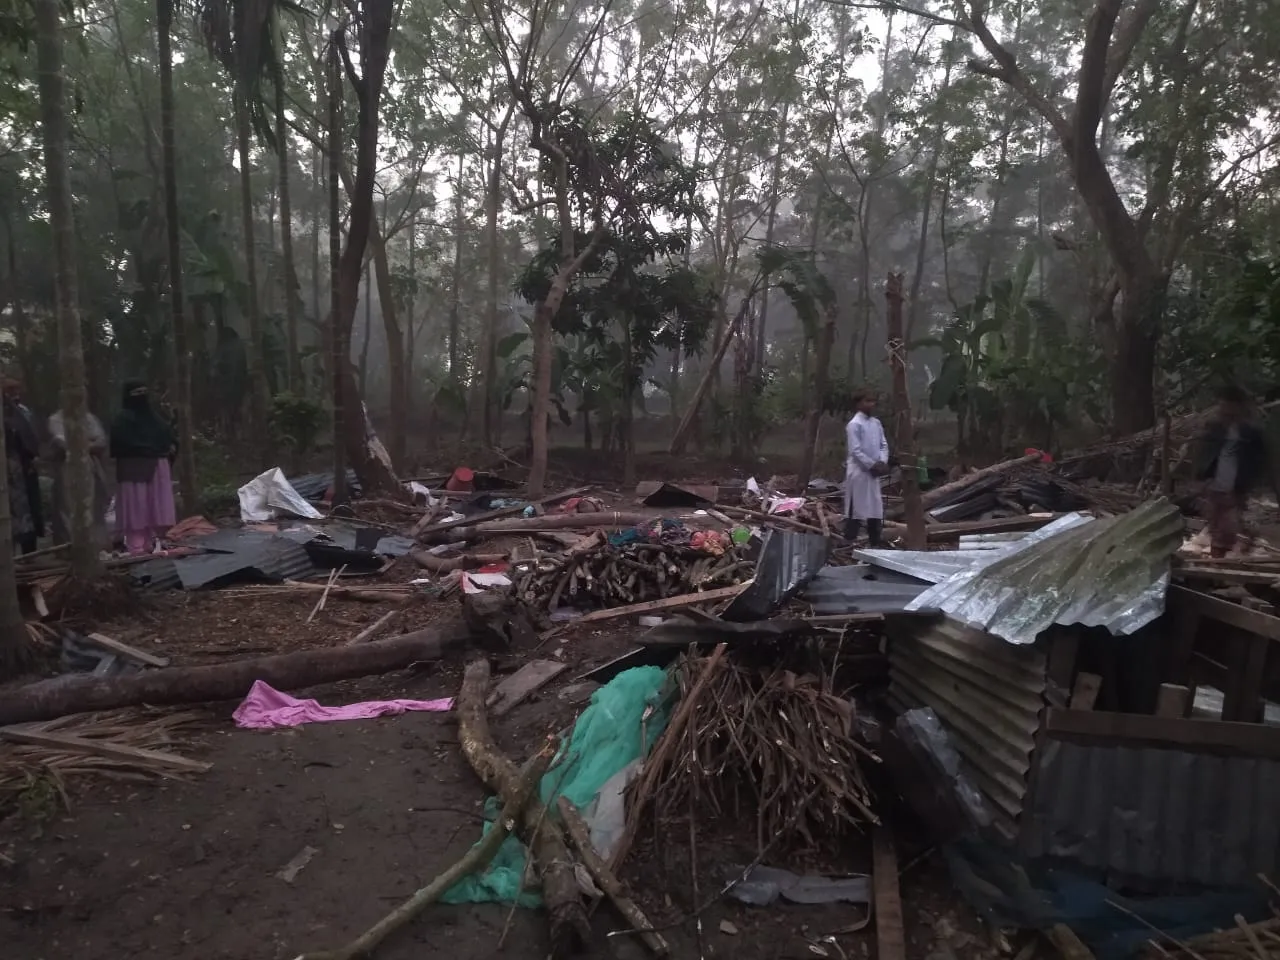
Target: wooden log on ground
<point>570,930</point>
<point>468,561</point>
<point>473,861</point>
<point>425,526</point>
<point>80,693</point>
<point>578,832</point>
<point>520,525</point>
<point>933,497</point>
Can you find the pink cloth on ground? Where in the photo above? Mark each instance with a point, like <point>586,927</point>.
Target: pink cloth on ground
<point>266,708</point>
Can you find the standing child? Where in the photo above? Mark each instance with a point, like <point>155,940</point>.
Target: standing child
<point>142,444</point>
<point>867,462</point>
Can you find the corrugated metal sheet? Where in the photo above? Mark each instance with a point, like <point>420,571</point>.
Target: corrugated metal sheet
<point>988,693</point>
<point>861,588</point>
<point>246,555</point>
<point>939,565</point>
<point>1152,814</point>
<point>312,486</point>
<point>1111,573</point>
<point>932,566</point>
<point>788,560</point>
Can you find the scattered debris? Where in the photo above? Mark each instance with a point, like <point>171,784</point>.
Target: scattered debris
<point>289,872</point>
<point>522,684</point>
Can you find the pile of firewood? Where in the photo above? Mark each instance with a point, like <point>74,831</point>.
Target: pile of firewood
<point>609,575</point>
<point>769,744</point>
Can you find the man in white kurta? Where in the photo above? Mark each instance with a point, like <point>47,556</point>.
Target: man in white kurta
<point>867,462</point>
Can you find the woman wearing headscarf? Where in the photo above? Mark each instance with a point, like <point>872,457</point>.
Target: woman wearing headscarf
<point>142,444</point>
<point>97,438</point>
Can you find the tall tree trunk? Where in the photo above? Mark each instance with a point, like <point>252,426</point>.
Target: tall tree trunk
<point>455,293</point>
<point>258,392</point>
<point>86,559</point>
<point>337,340</point>
<point>396,359</point>
<point>293,365</point>
<point>410,336</point>
<point>493,206</point>
<point>822,358</point>
<point>368,329</point>
<point>926,210</point>
<point>188,483</point>
<point>376,477</point>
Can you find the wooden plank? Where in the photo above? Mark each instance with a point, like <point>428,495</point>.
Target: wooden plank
<point>128,652</point>
<point>1085,692</point>
<point>891,941</point>
<point>1252,739</point>
<point>1060,668</point>
<point>101,748</point>
<point>954,531</point>
<point>1186,621</point>
<point>670,603</point>
<point>1224,611</point>
<point>1226,575</point>
<point>1173,700</point>
<point>524,682</point>
<point>1242,698</point>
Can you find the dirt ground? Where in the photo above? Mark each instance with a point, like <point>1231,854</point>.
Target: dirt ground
<point>189,869</point>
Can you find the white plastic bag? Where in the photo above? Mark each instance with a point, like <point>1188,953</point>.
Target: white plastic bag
<point>268,495</point>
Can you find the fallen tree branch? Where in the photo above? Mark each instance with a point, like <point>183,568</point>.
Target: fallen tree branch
<point>473,861</point>
<point>519,525</point>
<point>58,697</point>
<point>577,830</point>
<point>570,930</point>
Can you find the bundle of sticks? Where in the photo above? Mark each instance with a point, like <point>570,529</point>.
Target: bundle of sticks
<point>609,575</point>
<point>1244,941</point>
<point>763,742</point>
<point>37,760</point>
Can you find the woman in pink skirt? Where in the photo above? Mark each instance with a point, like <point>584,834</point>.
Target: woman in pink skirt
<point>142,444</point>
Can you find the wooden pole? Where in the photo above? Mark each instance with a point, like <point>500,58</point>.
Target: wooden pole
<point>903,431</point>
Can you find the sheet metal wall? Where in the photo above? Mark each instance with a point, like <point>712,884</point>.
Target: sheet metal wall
<point>1149,814</point>
<point>988,693</point>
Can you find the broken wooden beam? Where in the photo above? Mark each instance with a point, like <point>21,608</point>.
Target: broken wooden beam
<point>891,941</point>
<point>522,684</point>
<point>670,603</point>
<point>48,699</point>
<point>128,652</point>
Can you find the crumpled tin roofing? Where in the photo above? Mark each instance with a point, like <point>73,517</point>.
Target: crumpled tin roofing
<point>1109,573</point>
<point>861,588</point>
<point>939,565</point>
